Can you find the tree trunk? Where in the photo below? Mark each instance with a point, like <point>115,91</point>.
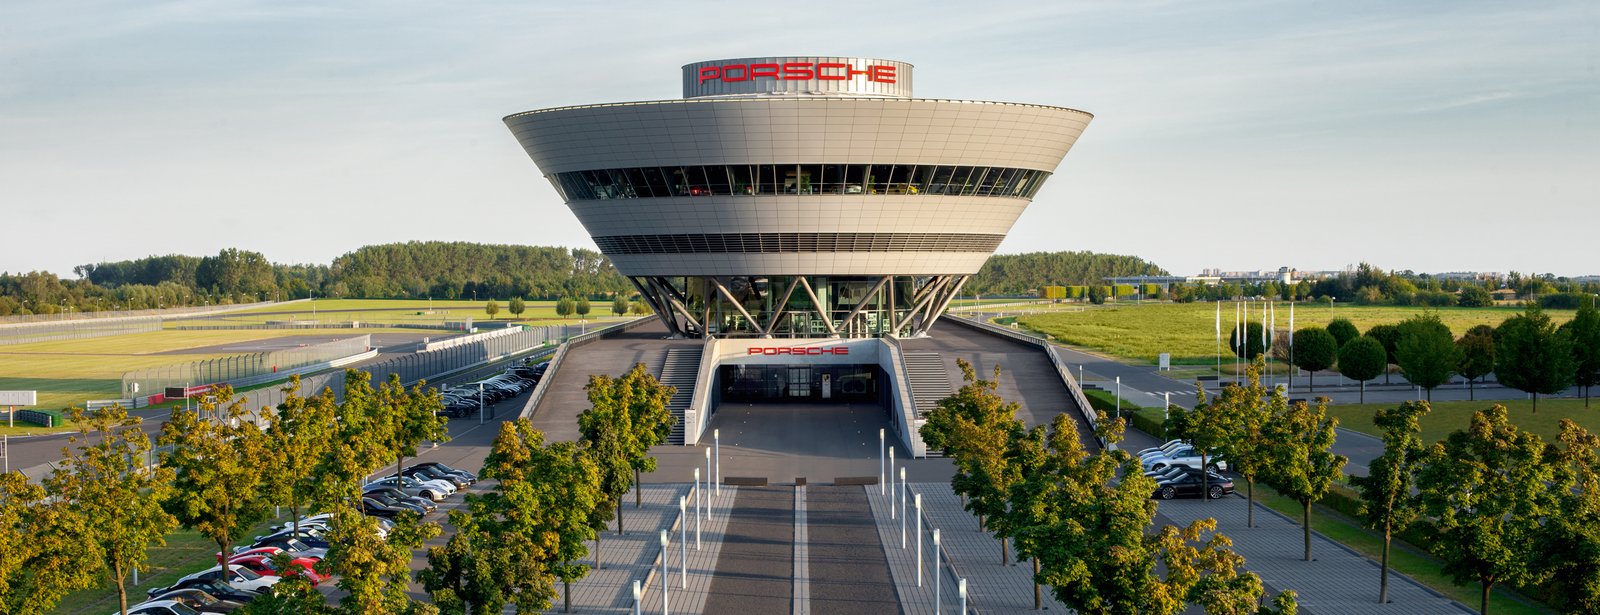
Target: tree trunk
<point>122,588</point>
<point>1472,390</point>
<point>1536,403</point>
<point>1383,578</point>
<point>398,461</point>
<point>1005,551</point>
<point>294,510</point>
<point>1205,477</point>
<point>597,549</point>
<point>1311,381</point>
<point>1363,391</point>
<point>619,516</point>
<point>1250,508</point>
<point>1038,597</point>
<point>566,596</point>
<point>638,494</point>
<point>1483,600</point>
<point>1430,395</point>
<point>1306,505</point>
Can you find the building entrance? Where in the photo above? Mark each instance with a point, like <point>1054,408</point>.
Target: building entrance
<point>799,383</point>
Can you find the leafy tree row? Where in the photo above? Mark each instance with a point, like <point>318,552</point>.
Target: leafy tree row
<point>95,518</point>
<point>1526,352</point>
<point>1027,273</point>
<point>1084,529</point>
<point>1497,505</point>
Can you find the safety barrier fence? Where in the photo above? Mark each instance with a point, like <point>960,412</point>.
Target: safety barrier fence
<point>1085,411</point>
<point>241,369</point>
<point>171,312</point>
<point>75,330</point>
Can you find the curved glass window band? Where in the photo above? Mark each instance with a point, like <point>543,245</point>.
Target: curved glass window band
<point>797,180</point>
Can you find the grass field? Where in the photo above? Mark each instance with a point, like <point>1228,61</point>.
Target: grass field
<point>409,311</point>
<point>1448,416</point>
<point>1139,333</point>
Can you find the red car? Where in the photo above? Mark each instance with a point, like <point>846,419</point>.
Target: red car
<point>259,561</point>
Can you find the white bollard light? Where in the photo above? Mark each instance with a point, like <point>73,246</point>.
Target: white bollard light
<point>716,443</point>
<point>936,573</point>
<point>904,512</point>
<point>891,483</point>
<point>882,444</point>
<point>709,475</point>
<point>699,507</point>
<point>683,542</point>
<point>961,588</point>
<point>638,596</point>
<point>665,538</point>
<point>918,500</point>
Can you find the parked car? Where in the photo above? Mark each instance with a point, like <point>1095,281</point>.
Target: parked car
<point>425,473</point>
<point>1188,484</point>
<point>210,586</point>
<point>159,607</point>
<point>439,466</point>
<point>426,504</point>
<point>291,544</point>
<point>311,537</point>
<point>431,490</point>
<point>263,566</point>
<point>1169,444</point>
<point>1185,455</point>
<point>200,600</point>
<point>238,576</point>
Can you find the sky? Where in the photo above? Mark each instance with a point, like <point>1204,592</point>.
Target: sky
<point>1421,135</point>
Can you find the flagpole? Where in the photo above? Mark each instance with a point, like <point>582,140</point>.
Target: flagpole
<point>1265,349</point>
<point>1219,341</point>
<point>1291,347</point>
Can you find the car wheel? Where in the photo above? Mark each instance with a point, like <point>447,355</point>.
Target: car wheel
<point>1212,467</point>
<point>431,495</point>
<point>1158,467</point>
<point>1168,492</point>
<point>1215,492</point>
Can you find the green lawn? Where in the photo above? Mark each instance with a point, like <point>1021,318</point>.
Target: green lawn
<point>410,311</point>
<point>1139,333</point>
<point>1448,416</point>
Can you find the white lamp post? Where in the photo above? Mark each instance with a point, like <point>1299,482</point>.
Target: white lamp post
<point>918,500</point>
<point>665,538</point>
<point>961,586</point>
<point>903,511</point>
<point>716,443</point>
<point>638,596</point>
<point>891,482</point>
<point>936,573</point>
<point>708,471</point>
<point>683,542</point>
<point>882,444</point>
<point>700,507</point>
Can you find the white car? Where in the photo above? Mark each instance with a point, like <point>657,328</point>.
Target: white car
<point>160,607</point>
<point>435,490</point>
<point>1159,449</point>
<point>239,578</point>
<point>1185,455</point>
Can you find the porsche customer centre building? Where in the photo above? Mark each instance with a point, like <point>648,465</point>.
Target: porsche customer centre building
<point>797,210</point>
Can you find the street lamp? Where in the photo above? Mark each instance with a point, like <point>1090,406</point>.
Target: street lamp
<point>1330,307</point>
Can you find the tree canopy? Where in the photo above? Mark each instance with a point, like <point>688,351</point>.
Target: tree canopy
<point>1532,356</point>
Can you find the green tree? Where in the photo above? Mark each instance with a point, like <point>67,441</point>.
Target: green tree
<point>1476,349</point>
<point>374,571</point>
<point>105,482</point>
<point>1488,489</point>
<point>406,418</point>
<point>356,446</point>
<point>517,307</point>
<point>1212,425</point>
<point>1343,331</point>
<point>607,435</point>
<point>1314,350</point>
<point>1569,545</point>
<point>1389,336</point>
<point>42,554</point>
<point>619,305</point>
<point>975,427</point>
<point>492,308</point>
<point>216,463</point>
<point>1088,531</point>
<point>1386,500</point>
<point>1252,345</point>
<point>1474,296</point>
<point>1584,331</point>
<point>1362,359</point>
<point>651,422</point>
<point>1098,294</point>
<point>1532,356</point>
<point>565,307</point>
<point>1427,352</point>
<point>582,308</point>
<point>1303,464</point>
<point>639,308</point>
<point>297,438</point>
<point>1245,445</point>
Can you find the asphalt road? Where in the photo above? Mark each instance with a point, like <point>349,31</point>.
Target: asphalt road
<point>756,566</point>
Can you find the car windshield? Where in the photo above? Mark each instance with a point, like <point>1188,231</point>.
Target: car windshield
<point>296,545</point>
<point>201,597</point>
<point>183,609</point>
<point>246,573</point>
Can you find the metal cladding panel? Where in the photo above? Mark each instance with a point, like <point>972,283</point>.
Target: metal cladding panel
<point>838,263</point>
<point>782,130</point>
<point>817,75</point>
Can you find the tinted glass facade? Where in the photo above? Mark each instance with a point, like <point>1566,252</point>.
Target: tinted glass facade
<point>798,180</point>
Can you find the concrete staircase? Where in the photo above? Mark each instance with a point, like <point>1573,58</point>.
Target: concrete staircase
<point>929,381</point>
<point>680,369</point>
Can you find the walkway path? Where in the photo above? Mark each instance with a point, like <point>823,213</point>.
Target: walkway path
<point>847,569</point>
<point>636,555</point>
<point>755,571</point>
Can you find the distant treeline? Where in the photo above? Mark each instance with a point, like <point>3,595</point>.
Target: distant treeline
<point>1006,274</point>
<point>444,270</point>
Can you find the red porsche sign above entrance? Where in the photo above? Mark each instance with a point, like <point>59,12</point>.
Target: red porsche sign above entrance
<point>799,351</point>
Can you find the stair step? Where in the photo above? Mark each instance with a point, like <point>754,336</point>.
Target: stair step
<point>680,367</point>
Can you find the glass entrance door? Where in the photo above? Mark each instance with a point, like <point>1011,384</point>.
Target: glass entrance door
<point>800,381</point>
